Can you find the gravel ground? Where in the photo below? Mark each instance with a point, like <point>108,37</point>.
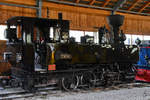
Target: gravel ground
<point>123,94</point>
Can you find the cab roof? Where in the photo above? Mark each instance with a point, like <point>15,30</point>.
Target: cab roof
<point>18,20</point>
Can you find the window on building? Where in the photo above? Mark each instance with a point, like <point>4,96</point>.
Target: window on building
<point>134,37</point>
<point>76,34</point>
<point>146,37</point>
<point>128,39</point>
<point>2,30</point>
<point>89,33</point>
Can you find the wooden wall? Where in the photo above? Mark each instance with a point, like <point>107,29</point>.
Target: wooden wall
<point>4,66</point>
<point>80,18</point>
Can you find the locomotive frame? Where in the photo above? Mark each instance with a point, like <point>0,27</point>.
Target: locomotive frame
<point>37,59</point>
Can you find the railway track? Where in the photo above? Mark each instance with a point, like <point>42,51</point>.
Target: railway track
<point>16,93</point>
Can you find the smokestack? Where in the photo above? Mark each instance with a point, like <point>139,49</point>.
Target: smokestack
<point>115,21</point>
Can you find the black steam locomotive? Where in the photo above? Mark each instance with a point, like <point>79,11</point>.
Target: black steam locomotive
<point>42,53</point>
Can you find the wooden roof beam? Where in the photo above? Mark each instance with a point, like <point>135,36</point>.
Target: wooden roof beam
<point>18,2</point>
<point>133,5</point>
<point>77,1</point>
<point>146,5</point>
<point>92,2</point>
<point>118,5</point>
<point>106,2</point>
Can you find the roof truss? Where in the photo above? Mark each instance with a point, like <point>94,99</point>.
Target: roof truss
<point>133,5</point>
<point>92,2</point>
<point>77,1</point>
<point>105,3</point>
<point>130,6</point>
<point>118,5</point>
<point>143,7</point>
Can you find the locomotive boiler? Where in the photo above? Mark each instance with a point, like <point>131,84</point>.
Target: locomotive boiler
<point>40,51</point>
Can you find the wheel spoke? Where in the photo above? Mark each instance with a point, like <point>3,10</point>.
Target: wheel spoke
<point>88,79</point>
<point>69,84</point>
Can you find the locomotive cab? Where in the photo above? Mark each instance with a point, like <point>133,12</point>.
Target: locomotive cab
<point>31,40</point>
<point>30,47</point>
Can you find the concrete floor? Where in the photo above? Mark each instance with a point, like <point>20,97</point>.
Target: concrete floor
<point>122,94</point>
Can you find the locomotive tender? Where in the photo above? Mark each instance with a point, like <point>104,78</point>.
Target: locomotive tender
<point>41,52</point>
<point>143,65</point>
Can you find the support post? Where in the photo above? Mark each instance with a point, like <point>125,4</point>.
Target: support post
<point>95,34</point>
<point>39,10</point>
<point>117,6</point>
